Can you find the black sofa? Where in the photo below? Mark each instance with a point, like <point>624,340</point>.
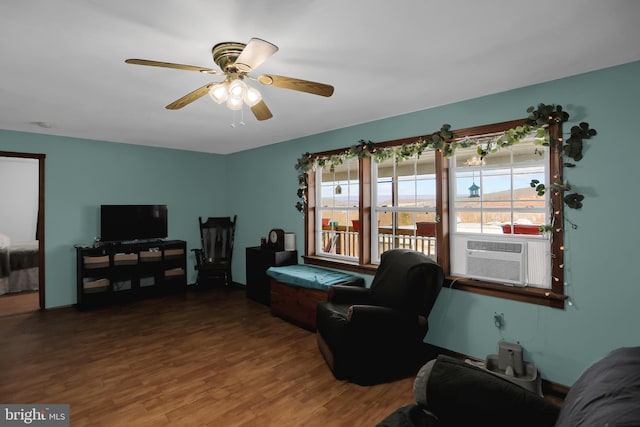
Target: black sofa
<point>452,393</point>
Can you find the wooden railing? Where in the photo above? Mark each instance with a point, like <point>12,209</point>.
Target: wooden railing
<point>340,240</point>
<point>343,240</point>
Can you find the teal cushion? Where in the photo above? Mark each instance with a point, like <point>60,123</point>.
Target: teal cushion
<point>308,276</point>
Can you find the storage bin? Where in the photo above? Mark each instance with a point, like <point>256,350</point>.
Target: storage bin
<point>174,272</point>
<point>173,252</point>
<point>147,281</point>
<point>125,259</point>
<point>91,285</point>
<point>121,285</point>
<point>96,261</point>
<point>150,256</point>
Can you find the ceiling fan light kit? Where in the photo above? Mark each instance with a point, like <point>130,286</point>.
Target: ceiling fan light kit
<point>252,96</point>
<point>234,103</point>
<point>235,94</point>
<point>236,60</point>
<point>219,92</point>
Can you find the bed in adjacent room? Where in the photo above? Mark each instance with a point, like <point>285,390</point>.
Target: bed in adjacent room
<point>18,266</point>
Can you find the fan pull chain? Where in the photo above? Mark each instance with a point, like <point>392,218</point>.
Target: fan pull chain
<point>241,123</point>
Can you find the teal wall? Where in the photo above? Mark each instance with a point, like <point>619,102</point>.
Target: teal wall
<point>80,175</point>
<point>601,278</point>
<point>261,189</point>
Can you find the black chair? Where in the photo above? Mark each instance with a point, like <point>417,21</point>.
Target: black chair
<point>213,260</point>
<point>373,335</point>
<point>451,393</point>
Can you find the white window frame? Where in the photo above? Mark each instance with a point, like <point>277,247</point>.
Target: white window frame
<point>319,209</point>
<point>537,247</point>
<point>395,209</point>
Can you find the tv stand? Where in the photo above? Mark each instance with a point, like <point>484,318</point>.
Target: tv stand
<point>132,242</point>
<point>126,242</point>
<point>127,271</point>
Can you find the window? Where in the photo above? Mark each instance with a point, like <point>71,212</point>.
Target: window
<point>404,205</point>
<point>492,202</point>
<point>490,193</point>
<point>338,205</point>
<point>455,209</point>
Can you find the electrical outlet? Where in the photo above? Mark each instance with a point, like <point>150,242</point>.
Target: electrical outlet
<point>498,320</point>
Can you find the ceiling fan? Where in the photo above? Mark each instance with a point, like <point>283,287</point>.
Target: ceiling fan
<point>237,60</point>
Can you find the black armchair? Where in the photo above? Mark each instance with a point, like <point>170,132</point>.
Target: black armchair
<point>373,335</point>
<point>452,393</point>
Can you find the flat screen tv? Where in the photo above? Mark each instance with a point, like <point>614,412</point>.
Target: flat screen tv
<point>132,222</point>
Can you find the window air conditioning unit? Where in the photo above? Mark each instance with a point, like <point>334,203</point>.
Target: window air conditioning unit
<point>497,261</point>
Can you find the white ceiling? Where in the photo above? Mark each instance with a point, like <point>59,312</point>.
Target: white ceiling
<point>62,61</point>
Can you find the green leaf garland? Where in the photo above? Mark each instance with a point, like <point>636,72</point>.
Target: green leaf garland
<point>539,118</point>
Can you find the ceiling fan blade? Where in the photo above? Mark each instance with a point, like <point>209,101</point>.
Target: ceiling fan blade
<point>190,97</point>
<point>255,53</point>
<point>172,65</point>
<point>261,111</point>
<point>296,84</point>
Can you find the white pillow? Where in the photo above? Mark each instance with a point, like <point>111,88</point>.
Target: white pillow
<point>4,240</point>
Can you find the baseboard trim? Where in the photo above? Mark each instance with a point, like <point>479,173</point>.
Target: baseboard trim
<point>232,285</point>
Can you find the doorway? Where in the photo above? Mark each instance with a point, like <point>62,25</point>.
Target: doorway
<point>29,303</point>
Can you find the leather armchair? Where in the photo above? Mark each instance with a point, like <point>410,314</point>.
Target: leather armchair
<point>452,393</point>
<point>372,335</point>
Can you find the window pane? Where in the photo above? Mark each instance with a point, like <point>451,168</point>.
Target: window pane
<point>407,230</point>
<point>416,191</point>
<point>494,191</point>
<point>385,219</point>
<point>468,222</point>
<point>405,196</point>
<point>468,157</point>
<point>338,234</point>
<point>385,193</point>
<point>416,181</point>
<point>328,192</point>
<point>467,188</point>
<point>528,152</point>
<point>495,186</point>
<point>410,183</point>
<point>386,168</point>
<point>522,188</point>
<point>338,210</point>
<point>499,158</point>
<point>353,194</point>
<point>384,187</point>
<point>426,190</point>
<point>406,191</point>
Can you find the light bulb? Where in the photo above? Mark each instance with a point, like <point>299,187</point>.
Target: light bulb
<point>237,88</point>
<point>252,96</point>
<point>234,103</point>
<point>219,92</point>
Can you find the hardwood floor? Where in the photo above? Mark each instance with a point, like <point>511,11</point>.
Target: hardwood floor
<point>209,358</point>
<point>20,302</point>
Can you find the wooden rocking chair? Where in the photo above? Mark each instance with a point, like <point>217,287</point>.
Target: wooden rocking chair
<point>213,260</point>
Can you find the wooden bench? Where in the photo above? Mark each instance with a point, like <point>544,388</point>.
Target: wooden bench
<point>297,289</point>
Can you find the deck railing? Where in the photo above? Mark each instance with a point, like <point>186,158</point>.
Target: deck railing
<point>343,240</point>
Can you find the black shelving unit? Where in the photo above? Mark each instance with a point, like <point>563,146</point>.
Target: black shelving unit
<point>258,260</point>
<point>121,272</point>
